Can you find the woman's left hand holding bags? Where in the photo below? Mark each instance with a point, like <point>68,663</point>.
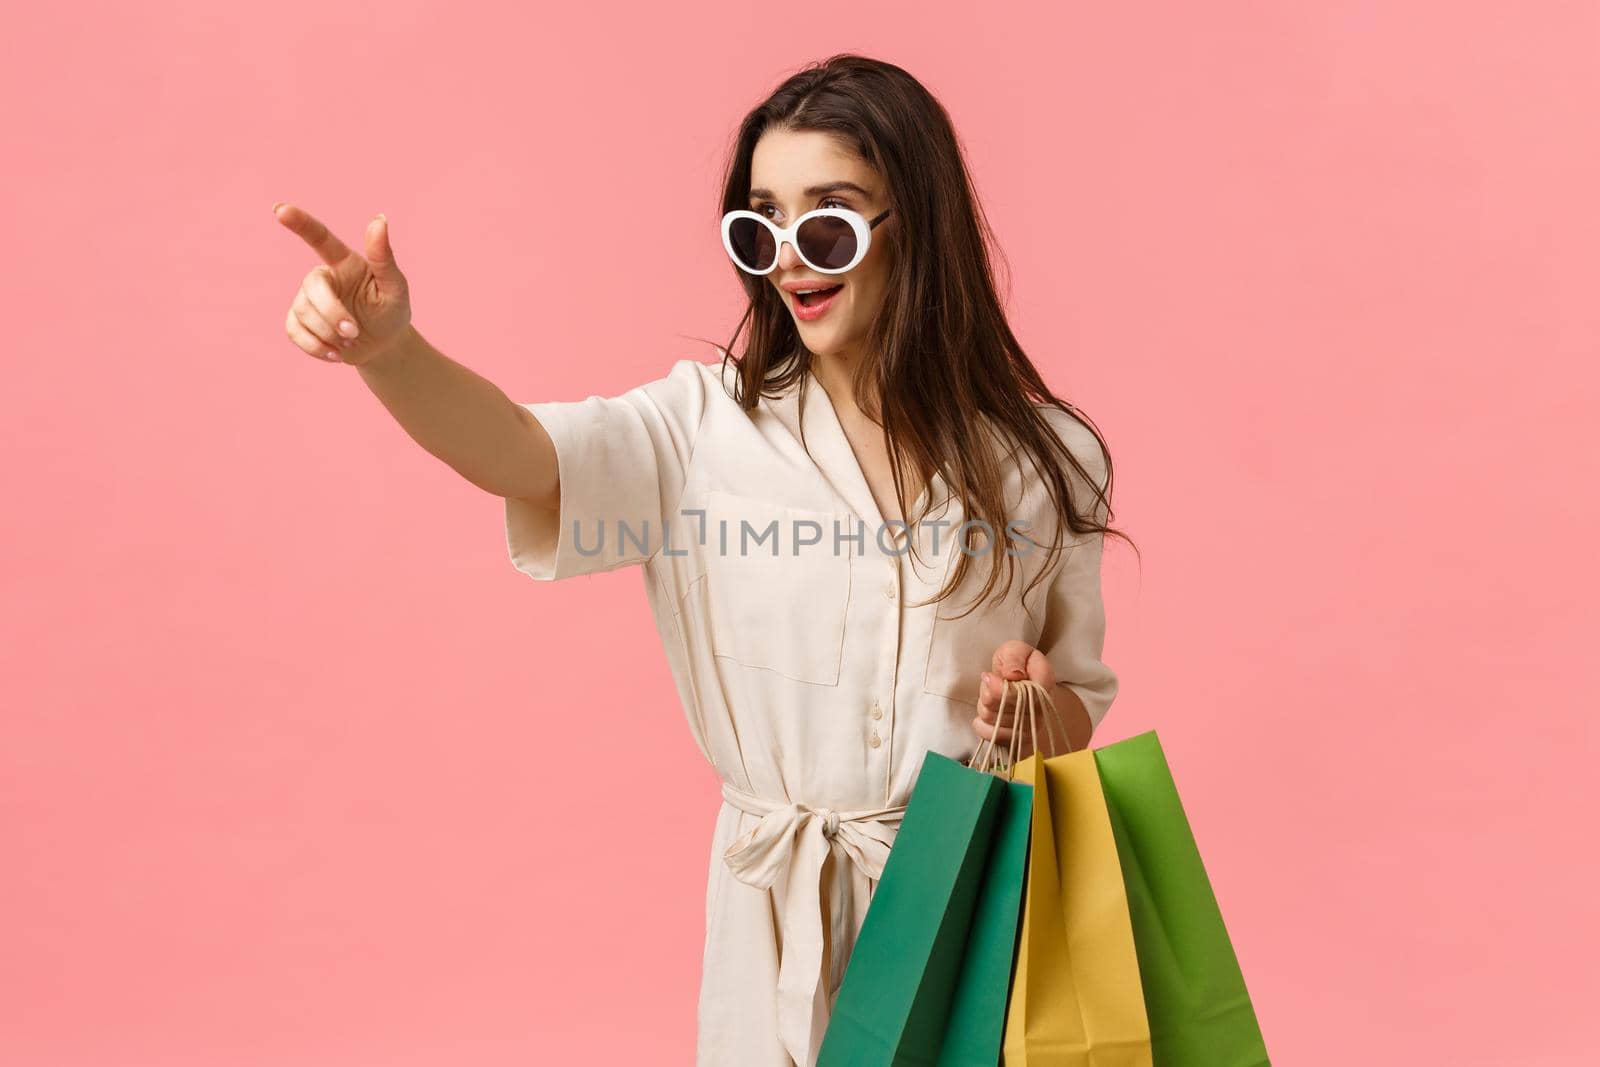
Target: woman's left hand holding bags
<point>1016,660</point>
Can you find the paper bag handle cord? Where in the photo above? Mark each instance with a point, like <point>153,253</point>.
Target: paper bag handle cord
<point>1053,720</point>
<point>1032,692</point>
<point>980,759</point>
<point>986,746</point>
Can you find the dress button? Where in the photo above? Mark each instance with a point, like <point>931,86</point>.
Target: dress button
<point>889,591</point>
<point>875,741</point>
<point>877,712</point>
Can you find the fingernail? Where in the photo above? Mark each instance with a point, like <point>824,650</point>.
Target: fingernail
<point>347,327</point>
<point>276,206</point>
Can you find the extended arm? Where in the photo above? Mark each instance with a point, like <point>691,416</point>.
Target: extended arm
<point>465,420</point>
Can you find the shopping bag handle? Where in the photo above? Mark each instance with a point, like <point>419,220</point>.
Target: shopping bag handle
<point>1031,693</point>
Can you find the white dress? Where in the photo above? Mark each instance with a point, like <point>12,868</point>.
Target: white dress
<point>811,680</point>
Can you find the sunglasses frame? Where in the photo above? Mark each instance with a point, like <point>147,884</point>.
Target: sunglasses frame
<point>858,222</point>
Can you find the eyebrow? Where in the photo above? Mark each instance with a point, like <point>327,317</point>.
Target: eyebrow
<point>817,190</point>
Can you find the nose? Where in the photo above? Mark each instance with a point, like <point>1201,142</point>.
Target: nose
<point>788,258</point>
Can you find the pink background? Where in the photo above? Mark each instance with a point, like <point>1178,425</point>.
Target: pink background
<point>294,768</point>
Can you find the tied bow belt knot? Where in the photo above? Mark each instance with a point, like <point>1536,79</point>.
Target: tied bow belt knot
<point>790,845</point>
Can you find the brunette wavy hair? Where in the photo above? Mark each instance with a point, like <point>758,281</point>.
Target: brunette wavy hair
<point>947,368</point>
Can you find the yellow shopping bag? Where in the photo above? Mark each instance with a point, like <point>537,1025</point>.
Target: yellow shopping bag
<point>1076,998</point>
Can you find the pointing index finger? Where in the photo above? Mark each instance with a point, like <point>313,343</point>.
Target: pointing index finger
<point>319,237</point>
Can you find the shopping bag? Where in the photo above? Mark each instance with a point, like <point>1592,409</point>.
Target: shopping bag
<point>1199,1011</point>
<point>976,1020</point>
<point>1076,996</point>
<point>897,988</point>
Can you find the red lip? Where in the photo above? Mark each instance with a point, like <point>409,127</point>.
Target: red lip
<point>815,311</point>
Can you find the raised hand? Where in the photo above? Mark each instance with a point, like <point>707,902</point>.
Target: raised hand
<point>349,308</point>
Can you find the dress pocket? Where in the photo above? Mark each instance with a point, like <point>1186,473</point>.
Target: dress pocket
<point>961,649</point>
<point>770,606</point>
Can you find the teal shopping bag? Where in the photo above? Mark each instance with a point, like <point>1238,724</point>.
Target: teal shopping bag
<point>894,1000</point>
<point>977,1017</point>
<point>1199,1010</point>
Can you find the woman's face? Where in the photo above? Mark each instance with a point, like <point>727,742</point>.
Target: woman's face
<point>792,172</point>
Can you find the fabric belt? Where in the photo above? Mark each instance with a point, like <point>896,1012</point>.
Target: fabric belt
<point>790,844</point>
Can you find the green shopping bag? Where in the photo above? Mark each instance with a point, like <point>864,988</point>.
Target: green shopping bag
<point>1199,1010</point>
<point>893,1002</point>
<point>978,1008</point>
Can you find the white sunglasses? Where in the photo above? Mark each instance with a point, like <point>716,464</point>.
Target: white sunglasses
<point>828,240</point>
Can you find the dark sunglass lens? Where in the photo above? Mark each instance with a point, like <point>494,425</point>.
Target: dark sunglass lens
<point>752,243</point>
<point>828,242</point>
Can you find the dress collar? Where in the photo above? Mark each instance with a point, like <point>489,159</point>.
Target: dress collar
<point>807,401</point>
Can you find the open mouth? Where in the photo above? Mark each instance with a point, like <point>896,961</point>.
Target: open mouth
<point>808,299</point>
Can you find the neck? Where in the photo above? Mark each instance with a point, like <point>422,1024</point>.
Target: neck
<point>833,373</point>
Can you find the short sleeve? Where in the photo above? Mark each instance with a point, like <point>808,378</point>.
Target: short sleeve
<point>622,462</point>
<point>1074,628</point>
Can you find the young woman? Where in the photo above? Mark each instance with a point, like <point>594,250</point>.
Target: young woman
<point>848,535</point>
